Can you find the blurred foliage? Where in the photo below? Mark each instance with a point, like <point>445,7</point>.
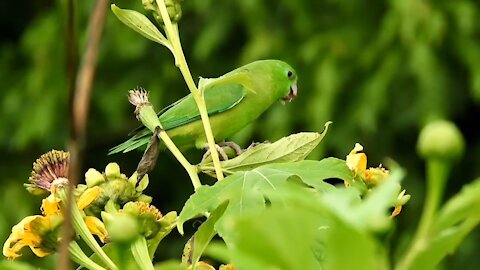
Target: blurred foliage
<point>378,69</point>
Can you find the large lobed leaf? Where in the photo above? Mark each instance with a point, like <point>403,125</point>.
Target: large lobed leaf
<point>253,189</point>
<point>312,230</point>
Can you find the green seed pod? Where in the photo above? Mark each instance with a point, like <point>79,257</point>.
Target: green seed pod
<point>440,140</point>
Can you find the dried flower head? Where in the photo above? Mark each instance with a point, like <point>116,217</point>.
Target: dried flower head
<point>48,168</point>
<point>138,97</point>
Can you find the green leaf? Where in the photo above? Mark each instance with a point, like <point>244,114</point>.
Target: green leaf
<point>206,232</point>
<point>218,251</point>
<point>16,265</point>
<point>274,238</point>
<point>442,245</point>
<point>463,205</point>
<point>371,212</point>
<point>141,24</point>
<point>170,265</point>
<point>252,189</point>
<point>293,148</point>
<point>455,220</point>
<point>304,233</point>
<point>341,246</point>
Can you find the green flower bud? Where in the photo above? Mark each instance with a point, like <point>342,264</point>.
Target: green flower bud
<point>174,9</point>
<point>147,216</point>
<point>144,198</point>
<point>112,170</point>
<point>441,140</point>
<point>116,189</point>
<point>94,177</point>
<point>123,228</point>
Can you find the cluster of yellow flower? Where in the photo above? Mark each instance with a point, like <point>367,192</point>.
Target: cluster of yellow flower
<point>103,198</point>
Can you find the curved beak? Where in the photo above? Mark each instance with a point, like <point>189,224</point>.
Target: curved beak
<point>291,95</point>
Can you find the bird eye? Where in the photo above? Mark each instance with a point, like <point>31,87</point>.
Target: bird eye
<point>290,74</point>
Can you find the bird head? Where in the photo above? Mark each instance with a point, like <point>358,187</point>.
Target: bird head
<point>290,79</point>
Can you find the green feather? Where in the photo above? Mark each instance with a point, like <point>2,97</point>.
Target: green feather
<point>233,101</point>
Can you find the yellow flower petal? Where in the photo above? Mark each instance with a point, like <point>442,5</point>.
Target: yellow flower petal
<point>357,162</point>
<point>27,232</point>
<point>96,227</point>
<point>396,211</point>
<point>374,176</point>
<point>88,197</point>
<point>51,206</point>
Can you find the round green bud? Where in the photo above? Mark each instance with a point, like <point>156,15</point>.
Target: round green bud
<point>112,170</point>
<point>93,177</point>
<point>123,229</point>
<point>440,140</point>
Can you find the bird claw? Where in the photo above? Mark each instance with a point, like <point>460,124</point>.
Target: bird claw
<point>220,149</point>
<point>235,147</point>
<point>256,143</point>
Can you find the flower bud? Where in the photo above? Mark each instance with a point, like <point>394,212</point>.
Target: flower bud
<point>441,140</point>
<point>174,9</point>
<point>112,170</point>
<point>123,228</point>
<point>115,187</point>
<point>93,177</point>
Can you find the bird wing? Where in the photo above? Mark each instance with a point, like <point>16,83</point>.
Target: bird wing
<point>218,98</point>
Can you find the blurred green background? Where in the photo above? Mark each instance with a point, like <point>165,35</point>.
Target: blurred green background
<point>378,69</point>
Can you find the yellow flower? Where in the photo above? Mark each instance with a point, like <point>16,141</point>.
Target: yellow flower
<point>357,162</point>
<point>32,232</point>
<point>96,227</point>
<point>402,199</point>
<point>39,232</point>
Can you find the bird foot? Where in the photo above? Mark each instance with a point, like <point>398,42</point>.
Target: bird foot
<point>221,150</point>
<point>256,143</point>
<point>235,147</point>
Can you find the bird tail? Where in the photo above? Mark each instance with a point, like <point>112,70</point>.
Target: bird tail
<point>134,142</point>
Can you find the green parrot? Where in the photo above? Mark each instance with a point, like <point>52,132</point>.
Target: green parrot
<point>233,101</point>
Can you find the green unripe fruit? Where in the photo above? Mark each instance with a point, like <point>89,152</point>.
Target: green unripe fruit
<point>440,140</point>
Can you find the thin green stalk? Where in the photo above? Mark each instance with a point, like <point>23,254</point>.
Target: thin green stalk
<point>140,254</point>
<point>81,228</point>
<point>77,255</point>
<point>149,119</point>
<point>191,170</point>
<point>181,63</point>
<point>437,173</point>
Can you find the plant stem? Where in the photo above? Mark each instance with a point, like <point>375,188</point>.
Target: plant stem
<point>79,257</point>
<point>191,170</point>
<point>181,62</point>
<point>437,173</point>
<point>139,251</point>
<point>81,228</point>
